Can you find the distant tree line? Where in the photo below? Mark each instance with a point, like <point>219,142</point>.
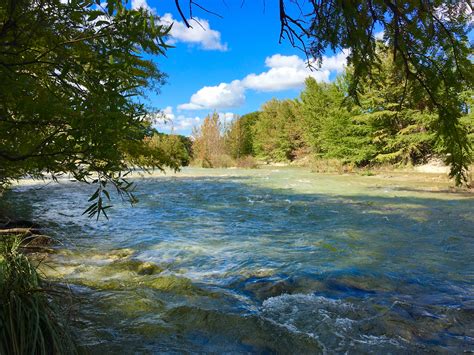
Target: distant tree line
<point>393,122</point>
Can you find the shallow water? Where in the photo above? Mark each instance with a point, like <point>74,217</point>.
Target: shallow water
<point>268,260</point>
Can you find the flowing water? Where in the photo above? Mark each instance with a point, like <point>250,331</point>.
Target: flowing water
<point>263,261</point>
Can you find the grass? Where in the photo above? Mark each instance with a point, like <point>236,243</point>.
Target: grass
<point>29,320</point>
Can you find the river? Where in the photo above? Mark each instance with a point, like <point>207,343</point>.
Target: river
<point>264,261</point>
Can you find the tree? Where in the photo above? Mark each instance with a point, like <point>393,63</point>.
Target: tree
<point>278,132</point>
<point>331,127</point>
<point>391,123</point>
<point>236,139</point>
<point>429,40</point>
<point>71,81</point>
<point>320,102</point>
<point>172,148</point>
<point>401,117</point>
<point>208,145</point>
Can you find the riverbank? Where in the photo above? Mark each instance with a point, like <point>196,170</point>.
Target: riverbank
<point>421,179</point>
<point>429,173</point>
<point>433,169</point>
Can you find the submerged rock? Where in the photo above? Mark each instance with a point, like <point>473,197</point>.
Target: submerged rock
<point>148,268</point>
<point>121,253</point>
<point>264,288</point>
<point>254,334</point>
<point>177,285</point>
<point>136,266</point>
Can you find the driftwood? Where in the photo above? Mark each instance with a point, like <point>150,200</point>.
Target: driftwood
<point>20,230</point>
<point>29,232</point>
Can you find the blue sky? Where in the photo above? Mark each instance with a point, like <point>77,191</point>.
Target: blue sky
<point>232,66</point>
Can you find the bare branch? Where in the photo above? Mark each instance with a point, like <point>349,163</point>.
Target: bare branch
<point>178,6</point>
<point>191,2</point>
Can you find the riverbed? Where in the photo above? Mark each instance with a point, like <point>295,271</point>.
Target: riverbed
<point>263,261</point>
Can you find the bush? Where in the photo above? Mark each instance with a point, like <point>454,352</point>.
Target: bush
<point>29,322</point>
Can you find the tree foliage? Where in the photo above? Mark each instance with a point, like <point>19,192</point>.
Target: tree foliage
<point>429,40</point>
<point>399,112</point>
<point>239,136</point>
<point>277,132</point>
<point>393,120</point>
<point>176,150</point>
<point>208,142</point>
<point>72,76</point>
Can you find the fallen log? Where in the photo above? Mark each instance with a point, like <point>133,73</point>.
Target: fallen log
<point>19,230</point>
<point>29,232</point>
<point>31,238</point>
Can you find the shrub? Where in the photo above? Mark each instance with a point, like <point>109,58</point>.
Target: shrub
<point>29,321</point>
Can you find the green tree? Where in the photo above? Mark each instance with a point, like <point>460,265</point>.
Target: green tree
<point>236,139</point>
<point>393,120</point>
<point>320,102</point>
<point>278,132</point>
<point>429,40</point>
<point>71,81</point>
<point>399,112</point>
<point>239,137</point>
<point>332,130</point>
<point>468,118</point>
<point>172,148</point>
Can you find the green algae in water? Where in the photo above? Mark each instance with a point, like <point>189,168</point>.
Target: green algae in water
<point>177,285</point>
<point>131,274</point>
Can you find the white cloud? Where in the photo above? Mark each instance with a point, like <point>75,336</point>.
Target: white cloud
<point>200,34</point>
<point>284,61</point>
<point>190,106</point>
<point>285,72</point>
<point>336,62</point>
<point>170,123</point>
<point>183,123</point>
<point>221,96</point>
<point>137,4</point>
<point>167,121</point>
<point>168,113</point>
<point>278,79</point>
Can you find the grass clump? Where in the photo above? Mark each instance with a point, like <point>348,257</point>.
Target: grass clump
<point>29,322</point>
